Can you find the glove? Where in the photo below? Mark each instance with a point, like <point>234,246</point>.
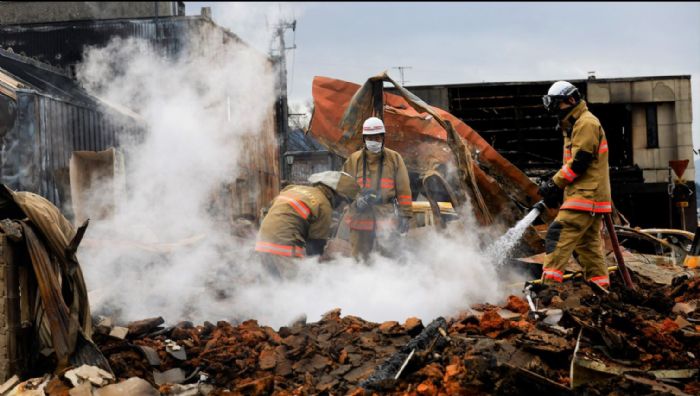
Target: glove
<point>365,201</point>
<point>551,193</point>
<point>403,224</point>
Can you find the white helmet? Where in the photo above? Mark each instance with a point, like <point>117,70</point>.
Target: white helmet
<point>340,182</point>
<point>373,126</point>
<point>558,92</point>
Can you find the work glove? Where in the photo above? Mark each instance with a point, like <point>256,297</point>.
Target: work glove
<point>365,200</point>
<point>551,194</point>
<point>403,225</point>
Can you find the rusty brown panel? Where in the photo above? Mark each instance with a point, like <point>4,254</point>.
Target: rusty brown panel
<point>259,169</point>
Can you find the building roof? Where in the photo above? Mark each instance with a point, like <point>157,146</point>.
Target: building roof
<point>26,73</point>
<point>573,81</point>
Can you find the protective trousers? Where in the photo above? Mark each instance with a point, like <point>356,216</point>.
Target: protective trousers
<point>362,243</point>
<point>580,232</point>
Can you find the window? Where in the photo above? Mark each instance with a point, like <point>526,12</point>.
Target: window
<point>652,127</point>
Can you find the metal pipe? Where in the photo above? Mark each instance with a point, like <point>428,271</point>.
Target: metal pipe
<point>616,249</point>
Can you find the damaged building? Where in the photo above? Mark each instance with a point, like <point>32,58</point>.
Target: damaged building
<point>647,121</point>
<point>36,36</point>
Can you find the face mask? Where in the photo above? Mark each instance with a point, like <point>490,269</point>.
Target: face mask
<point>373,147</point>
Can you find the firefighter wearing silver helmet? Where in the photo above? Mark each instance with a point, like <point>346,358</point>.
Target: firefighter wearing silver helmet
<point>299,220</point>
<point>581,187</point>
<point>383,177</point>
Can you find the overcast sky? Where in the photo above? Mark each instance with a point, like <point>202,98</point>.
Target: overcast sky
<point>472,42</point>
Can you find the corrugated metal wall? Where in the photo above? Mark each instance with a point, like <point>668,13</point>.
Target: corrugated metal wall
<point>39,147</point>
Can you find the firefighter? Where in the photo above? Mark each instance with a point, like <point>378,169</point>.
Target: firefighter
<point>298,222</point>
<point>581,187</point>
<point>383,208</point>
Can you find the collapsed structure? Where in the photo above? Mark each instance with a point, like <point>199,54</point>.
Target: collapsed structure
<point>580,341</point>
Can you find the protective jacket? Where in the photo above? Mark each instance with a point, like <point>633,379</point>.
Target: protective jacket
<point>385,173</point>
<point>298,213</point>
<point>585,175</point>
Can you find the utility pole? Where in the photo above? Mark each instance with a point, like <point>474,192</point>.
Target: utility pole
<point>280,59</point>
<point>401,69</point>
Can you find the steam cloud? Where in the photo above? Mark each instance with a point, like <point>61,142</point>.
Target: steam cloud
<point>197,109</point>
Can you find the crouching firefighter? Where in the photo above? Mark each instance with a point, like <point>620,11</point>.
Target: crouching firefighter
<point>298,222</point>
<point>581,186</point>
<point>383,208</point>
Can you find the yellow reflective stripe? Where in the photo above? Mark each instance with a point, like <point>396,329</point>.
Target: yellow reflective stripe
<point>280,250</point>
<point>298,206</point>
<point>587,205</point>
<point>568,173</point>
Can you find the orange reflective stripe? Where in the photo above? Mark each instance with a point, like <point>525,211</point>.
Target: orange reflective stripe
<point>553,274</point>
<point>600,280</point>
<point>568,173</point>
<point>386,183</point>
<point>404,199</point>
<point>603,147</point>
<point>365,183</point>
<point>298,206</point>
<point>280,250</point>
<point>567,155</point>
<point>587,205</point>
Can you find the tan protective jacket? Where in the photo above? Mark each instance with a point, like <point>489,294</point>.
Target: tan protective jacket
<point>297,214</point>
<point>590,190</point>
<point>393,184</point>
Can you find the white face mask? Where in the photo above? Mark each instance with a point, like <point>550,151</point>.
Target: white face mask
<point>373,147</point>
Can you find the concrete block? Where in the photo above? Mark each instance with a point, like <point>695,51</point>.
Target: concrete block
<point>663,91</point>
<point>684,135</point>
<point>665,114</point>
<point>649,176</point>
<point>598,92</point>
<point>639,115</point>
<point>639,138</point>
<point>685,152</point>
<point>667,136</point>
<point>684,111</point>
<point>666,154</point>
<point>661,176</point>
<point>641,91</point>
<point>643,158</point>
<point>620,92</point>
<point>684,90</point>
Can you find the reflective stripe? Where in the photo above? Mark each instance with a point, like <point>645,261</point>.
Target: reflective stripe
<point>603,147</point>
<point>600,280</point>
<point>373,128</point>
<point>298,206</point>
<point>387,183</point>
<point>568,173</point>
<point>367,183</point>
<point>553,274</point>
<point>404,199</point>
<point>587,205</point>
<point>280,250</point>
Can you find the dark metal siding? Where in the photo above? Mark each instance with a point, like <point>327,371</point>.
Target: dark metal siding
<point>38,149</point>
<point>62,44</point>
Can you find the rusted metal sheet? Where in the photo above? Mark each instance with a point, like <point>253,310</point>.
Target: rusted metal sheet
<point>258,181</point>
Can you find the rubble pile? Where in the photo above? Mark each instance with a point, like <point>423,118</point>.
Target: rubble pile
<point>644,341</point>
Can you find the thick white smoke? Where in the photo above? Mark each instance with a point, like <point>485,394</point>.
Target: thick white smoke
<point>197,109</point>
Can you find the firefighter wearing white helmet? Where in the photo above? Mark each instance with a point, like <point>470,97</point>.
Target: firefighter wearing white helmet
<point>298,222</point>
<point>581,187</point>
<point>383,208</point>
